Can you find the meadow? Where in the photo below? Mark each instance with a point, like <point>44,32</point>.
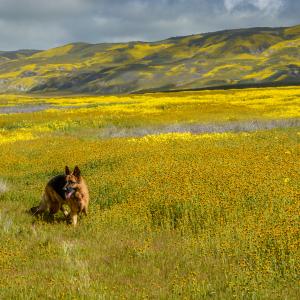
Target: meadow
<point>194,195</point>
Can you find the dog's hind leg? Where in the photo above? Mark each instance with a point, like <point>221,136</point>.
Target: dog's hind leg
<point>54,207</point>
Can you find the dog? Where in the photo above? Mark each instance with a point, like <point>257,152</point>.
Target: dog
<point>69,189</point>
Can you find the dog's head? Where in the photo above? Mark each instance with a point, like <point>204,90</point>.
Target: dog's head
<point>72,181</point>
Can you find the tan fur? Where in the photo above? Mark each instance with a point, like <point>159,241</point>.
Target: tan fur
<point>53,197</point>
<point>79,200</point>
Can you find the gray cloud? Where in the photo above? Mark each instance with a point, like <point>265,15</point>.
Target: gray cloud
<point>42,24</point>
<point>267,7</point>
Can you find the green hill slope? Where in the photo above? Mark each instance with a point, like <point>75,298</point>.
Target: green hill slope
<point>230,57</point>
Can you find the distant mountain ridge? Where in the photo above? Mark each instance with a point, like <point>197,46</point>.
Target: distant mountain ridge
<point>253,56</point>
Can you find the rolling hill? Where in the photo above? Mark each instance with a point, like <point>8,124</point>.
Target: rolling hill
<point>254,56</point>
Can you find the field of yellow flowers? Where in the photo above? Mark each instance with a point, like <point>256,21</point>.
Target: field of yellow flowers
<point>194,195</point>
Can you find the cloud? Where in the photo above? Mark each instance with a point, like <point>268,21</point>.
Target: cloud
<point>42,24</point>
<point>268,7</point>
<point>41,9</point>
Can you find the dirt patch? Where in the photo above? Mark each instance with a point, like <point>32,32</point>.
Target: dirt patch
<point>233,126</point>
<point>23,109</point>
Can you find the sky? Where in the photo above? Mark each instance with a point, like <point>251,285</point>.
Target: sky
<point>44,24</point>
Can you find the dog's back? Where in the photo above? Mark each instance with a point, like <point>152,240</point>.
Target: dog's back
<point>57,183</point>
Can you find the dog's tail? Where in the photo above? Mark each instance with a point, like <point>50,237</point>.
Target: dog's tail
<point>42,206</point>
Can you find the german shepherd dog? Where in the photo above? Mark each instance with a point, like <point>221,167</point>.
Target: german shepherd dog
<point>69,189</point>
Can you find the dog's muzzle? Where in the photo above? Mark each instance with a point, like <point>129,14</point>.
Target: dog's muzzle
<point>68,192</point>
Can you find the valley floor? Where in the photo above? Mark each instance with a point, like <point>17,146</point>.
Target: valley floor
<point>193,195</point>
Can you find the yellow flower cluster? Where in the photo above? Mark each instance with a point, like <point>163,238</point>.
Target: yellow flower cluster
<point>20,135</point>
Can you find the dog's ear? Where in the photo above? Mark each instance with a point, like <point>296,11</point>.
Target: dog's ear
<point>67,170</point>
<point>76,172</point>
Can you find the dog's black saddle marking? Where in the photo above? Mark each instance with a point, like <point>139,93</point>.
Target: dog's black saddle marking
<point>57,183</point>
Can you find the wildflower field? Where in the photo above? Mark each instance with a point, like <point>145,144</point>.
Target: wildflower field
<point>194,195</point>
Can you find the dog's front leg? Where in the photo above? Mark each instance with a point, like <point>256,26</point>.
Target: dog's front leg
<point>74,217</point>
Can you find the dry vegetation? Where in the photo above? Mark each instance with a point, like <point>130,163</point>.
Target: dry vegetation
<point>3,187</point>
<point>174,214</point>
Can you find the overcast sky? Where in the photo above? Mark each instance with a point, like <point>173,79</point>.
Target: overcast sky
<point>42,24</point>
